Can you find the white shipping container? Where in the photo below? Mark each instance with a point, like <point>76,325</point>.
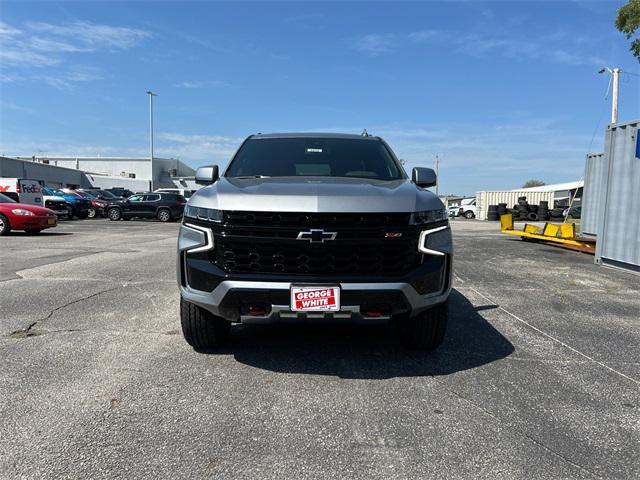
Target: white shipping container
<point>486,198</point>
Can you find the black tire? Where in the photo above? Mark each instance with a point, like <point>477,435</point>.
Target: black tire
<point>469,214</point>
<point>164,215</point>
<point>91,213</point>
<point>426,330</point>
<point>114,214</point>
<point>532,216</point>
<point>201,329</point>
<point>69,214</point>
<point>5,226</point>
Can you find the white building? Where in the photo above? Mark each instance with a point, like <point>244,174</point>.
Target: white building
<point>563,192</point>
<point>135,173</point>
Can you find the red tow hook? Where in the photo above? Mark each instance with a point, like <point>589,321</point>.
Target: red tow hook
<point>257,311</point>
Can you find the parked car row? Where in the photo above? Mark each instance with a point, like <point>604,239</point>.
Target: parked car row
<point>27,205</point>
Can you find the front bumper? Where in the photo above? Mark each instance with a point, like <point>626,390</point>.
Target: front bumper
<point>31,222</point>
<point>232,300</point>
<point>233,296</point>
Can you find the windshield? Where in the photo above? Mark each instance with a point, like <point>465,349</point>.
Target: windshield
<point>86,195</point>
<point>5,199</point>
<point>106,194</point>
<point>53,192</point>
<point>326,157</point>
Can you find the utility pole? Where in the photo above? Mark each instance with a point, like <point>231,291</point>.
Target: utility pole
<point>615,74</point>
<point>151,95</point>
<point>437,173</point>
<point>614,97</point>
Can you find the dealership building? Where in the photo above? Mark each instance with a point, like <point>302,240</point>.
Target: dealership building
<point>134,173</point>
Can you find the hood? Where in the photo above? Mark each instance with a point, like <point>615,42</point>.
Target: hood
<point>54,198</point>
<point>315,194</point>
<point>40,211</point>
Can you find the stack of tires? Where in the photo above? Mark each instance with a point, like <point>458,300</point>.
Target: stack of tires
<point>543,211</point>
<point>492,213</point>
<point>502,209</point>
<point>523,208</point>
<point>556,213</point>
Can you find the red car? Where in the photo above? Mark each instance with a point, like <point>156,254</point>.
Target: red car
<point>19,216</point>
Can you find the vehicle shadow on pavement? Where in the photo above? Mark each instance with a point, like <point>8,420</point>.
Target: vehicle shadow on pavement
<point>370,352</point>
<point>18,233</point>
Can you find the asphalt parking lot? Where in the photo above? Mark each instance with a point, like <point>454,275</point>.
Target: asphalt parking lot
<point>538,376</point>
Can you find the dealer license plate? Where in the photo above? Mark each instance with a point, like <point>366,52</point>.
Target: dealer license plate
<point>315,299</point>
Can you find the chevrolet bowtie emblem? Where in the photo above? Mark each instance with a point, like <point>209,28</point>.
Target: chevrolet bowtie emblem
<point>316,236</point>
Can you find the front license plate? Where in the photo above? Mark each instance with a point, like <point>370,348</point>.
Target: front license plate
<point>51,221</point>
<point>315,299</point>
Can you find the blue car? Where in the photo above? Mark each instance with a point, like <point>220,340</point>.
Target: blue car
<point>79,206</point>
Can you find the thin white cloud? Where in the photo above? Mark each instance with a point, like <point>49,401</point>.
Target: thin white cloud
<point>54,48</point>
<point>555,47</point>
<point>91,35</point>
<point>202,84</point>
<point>198,148</point>
<point>377,43</point>
<point>66,79</point>
<point>50,45</point>
<point>546,47</point>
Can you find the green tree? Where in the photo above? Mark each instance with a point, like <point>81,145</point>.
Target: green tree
<point>533,183</point>
<point>628,22</point>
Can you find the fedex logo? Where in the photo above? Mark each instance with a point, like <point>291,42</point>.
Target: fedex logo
<point>31,188</point>
<point>4,189</point>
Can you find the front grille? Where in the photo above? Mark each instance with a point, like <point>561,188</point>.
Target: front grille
<point>316,220</point>
<point>55,204</point>
<point>259,242</point>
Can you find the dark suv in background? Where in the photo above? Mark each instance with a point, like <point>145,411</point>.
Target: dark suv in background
<point>163,206</point>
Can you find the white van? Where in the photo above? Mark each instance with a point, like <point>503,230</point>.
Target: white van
<point>22,190</point>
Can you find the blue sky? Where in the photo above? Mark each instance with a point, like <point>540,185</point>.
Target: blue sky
<point>502,91</point>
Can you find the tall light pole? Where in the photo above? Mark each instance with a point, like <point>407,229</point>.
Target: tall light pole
<point>615,73</point>
<point>437,173</point>
<point>151,95</point>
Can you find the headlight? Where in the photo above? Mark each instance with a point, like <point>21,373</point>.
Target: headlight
<point>203,213</point>
<point>428,216</point>
<point>435,241</point>
<point>20,211</point>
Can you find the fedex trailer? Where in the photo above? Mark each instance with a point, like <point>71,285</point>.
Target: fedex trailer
<point>22,190</point>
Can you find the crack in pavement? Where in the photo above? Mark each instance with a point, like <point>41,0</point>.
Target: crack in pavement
<point>30,332</point>
<point>25,331</point>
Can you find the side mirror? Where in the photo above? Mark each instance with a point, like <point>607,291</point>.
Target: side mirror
<point>423,177</point>
<point>207,175</point>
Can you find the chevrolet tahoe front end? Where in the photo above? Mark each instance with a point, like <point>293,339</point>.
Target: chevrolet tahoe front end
<point>335,231</point>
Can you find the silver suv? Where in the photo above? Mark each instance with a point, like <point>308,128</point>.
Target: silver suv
<point>314,227</point>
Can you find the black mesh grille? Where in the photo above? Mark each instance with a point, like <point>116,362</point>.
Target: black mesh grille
<point>320,220</point>
<point>262,242</point>
<point>54,204</point>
